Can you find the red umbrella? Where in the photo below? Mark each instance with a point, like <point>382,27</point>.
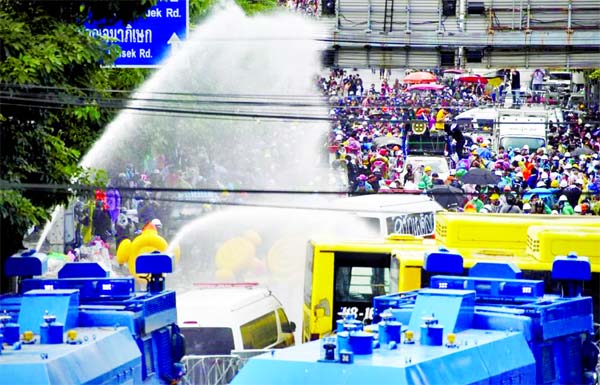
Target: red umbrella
<point>426,87</point>
<point>473,79</point>
<point>419,78</point>
<point>422,110</point>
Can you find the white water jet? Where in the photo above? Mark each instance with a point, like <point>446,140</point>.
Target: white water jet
<point>270,59</point>
<point>231,64</point>
<point>267,246</point>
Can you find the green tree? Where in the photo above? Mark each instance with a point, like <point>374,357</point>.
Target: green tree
<point>55,80</point>
<point>51,74</point>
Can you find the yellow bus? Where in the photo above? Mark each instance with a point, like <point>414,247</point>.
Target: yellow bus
<point>344,276</point>
<point>498,231</point>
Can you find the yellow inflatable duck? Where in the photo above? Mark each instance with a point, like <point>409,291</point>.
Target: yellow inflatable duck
<point>147,242</point>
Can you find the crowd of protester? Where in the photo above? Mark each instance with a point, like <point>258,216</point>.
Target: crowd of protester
<point>373,126</point>
<point>370,139</point>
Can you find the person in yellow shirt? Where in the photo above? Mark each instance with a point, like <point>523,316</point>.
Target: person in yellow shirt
<point>440,119</point>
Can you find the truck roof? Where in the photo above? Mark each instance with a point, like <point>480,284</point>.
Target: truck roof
<point>523,125</point>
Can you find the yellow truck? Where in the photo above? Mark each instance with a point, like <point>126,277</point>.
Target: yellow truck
<point>343,276</point>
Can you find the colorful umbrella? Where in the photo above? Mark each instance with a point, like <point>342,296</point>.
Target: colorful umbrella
<point>453,71</point>
<point>426,87</point>
<point>473,79</point>
<point>496,81</point>
<point>420,77</point>
<point>422,110</point>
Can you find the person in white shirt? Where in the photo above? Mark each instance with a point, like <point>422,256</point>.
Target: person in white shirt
<point>537,78</point>
<point>410,183</point>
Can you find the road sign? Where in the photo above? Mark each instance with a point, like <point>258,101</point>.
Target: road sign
<point>146,42</point>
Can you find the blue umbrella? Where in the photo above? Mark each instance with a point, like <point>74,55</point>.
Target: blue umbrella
<point>545,194</point>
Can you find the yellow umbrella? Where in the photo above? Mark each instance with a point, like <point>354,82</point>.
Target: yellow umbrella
<point>495,81</point>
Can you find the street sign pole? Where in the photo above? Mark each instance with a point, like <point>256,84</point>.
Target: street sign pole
<point>148,41</point>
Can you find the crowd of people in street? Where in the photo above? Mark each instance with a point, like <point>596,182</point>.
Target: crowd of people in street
<point>129,204</point>
<point>371,140</point>
<point>374,123</point>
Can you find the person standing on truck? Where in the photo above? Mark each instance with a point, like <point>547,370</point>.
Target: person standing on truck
<point>515,86</point>
<point>537,79</point>
<point>440,119</point>
<point>425,183</point>
<point>453,131</point>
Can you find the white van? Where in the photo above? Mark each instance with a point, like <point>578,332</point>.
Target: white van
<point>221,320</point>
<point>389,213</point>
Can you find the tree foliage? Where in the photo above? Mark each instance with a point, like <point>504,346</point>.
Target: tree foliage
<point>51,75</point>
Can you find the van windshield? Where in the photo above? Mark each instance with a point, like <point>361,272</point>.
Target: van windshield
<point>208,341</point>
<point>519,141</point>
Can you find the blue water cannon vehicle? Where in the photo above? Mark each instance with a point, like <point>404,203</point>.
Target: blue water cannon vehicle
<point>490,327</point>
<point>84,327</point>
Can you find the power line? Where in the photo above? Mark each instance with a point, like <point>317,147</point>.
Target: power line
<point>36,101</point>
<point>222,115</point>
<point>46,187</point>
<point>102,104</point>
<point>165,93</point>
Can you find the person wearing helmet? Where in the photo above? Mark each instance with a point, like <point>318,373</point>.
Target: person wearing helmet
<point>541,208</point>
<point>526,208</point>
<point>426,182</point>
<point>564,207</point>
<point>538,206</point>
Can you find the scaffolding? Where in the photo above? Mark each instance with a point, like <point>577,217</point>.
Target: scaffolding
<point>492,33</point>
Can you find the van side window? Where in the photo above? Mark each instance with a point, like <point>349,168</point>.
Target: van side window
<point>207,340</point>
<point>261,332</point>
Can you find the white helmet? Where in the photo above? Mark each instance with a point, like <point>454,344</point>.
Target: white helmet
<point>156,222</point>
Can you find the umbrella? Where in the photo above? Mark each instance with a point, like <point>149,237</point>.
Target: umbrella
<point>448,196</point>
<point>545,194</point>
<point>426,87</point>
<point>422,110</point>
<point>582,151</point>
<point>480,176</point>
<point>419,78</point>
<point>383,141</point>
<point>453,71</point>
<point>473,79</point>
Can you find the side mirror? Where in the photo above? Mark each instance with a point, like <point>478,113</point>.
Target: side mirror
<point>289,327</point>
